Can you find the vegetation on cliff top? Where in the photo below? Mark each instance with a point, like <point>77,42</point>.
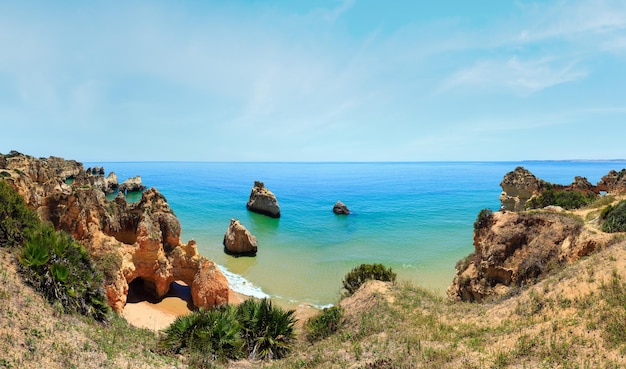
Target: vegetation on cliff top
<point>562,198</point>
<point>366,272</point>
<point>52,262</point>
<point>614,218</point>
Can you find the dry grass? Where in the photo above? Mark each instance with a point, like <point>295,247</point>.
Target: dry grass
<point>565,321</point>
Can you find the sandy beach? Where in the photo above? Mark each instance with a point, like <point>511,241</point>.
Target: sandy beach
<point>156,316</point>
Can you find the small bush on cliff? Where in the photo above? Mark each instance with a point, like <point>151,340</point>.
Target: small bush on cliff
<point>365,272</point>
<point>60,268</point>
<point>324,324</point>
<point>564,199</point>
<point>16,218</point>
<point>483,218</point>
<point>614,218</point>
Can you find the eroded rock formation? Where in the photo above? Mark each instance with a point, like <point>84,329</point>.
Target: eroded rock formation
<point>127,240</point>
<point>614,182</point>
<point>238,240</point>
<point>515,248</point>
<point>340,208</point>
<point>263,201</point>
<point>132,185</point>
<point>512,249</point>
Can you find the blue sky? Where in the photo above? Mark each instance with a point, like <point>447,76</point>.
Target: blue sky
<point>321,80</point>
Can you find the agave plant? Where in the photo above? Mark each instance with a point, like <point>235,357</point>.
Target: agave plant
<point>268,331</point>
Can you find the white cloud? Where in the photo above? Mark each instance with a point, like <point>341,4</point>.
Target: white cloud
<point>519,76</point>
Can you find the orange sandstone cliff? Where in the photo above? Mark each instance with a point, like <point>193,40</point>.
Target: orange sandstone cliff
<point>126,240</point>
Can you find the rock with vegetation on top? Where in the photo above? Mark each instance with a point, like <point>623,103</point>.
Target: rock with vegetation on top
<point>263,201</point>
<point>238,240</point>
<point>340,208</point>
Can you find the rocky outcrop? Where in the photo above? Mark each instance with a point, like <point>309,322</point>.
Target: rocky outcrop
<point>263,201</point>
<point>513,249</point>
<point>108,184</point>
<point>520,185</point>
<point>132,185</point>
<point>238,240</point>
<point>340,208</point>
<point>614,182</point>
<point>127,240</point>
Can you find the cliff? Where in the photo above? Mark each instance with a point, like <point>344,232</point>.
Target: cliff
<point>518,248</point>
<point>126,240</point>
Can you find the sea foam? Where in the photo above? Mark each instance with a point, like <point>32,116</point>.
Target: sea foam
<point>241,285</point>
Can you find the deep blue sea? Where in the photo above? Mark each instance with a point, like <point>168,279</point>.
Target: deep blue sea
<point>416,218</point>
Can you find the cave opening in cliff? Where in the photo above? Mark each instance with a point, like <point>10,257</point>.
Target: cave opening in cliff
<point>177,297</point>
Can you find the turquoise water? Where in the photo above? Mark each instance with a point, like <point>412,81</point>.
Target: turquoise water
<point>414,217</point>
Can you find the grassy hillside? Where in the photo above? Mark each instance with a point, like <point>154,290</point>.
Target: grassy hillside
<point>574,319</point>
<point>35,334</point>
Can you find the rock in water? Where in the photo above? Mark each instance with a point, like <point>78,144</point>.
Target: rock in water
<point>132,184</point>
<point>340,208</point>
<point>263,201</point>
<point>238,241</point>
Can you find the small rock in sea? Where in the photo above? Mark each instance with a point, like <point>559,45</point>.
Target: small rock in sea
<point>263,201</point>
<point>340,208</point>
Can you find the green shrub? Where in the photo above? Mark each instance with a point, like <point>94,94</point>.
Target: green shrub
<point>324,324</point>
<point>254,328</point>
<point>564,199</point>
<point>365,272</point>
<point>268,331</point>
<point>211,334</point>
<point>16,218</point>
<point>614,218</point>
<point>483,218</point>
<point>60,268</point>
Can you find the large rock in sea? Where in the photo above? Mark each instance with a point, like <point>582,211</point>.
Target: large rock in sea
<point>263,201</point>
<point>341,208</point>
<point>238,240</point>
<point>127,241</point>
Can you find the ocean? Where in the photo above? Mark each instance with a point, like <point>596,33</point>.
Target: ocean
<point>416,218</point>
